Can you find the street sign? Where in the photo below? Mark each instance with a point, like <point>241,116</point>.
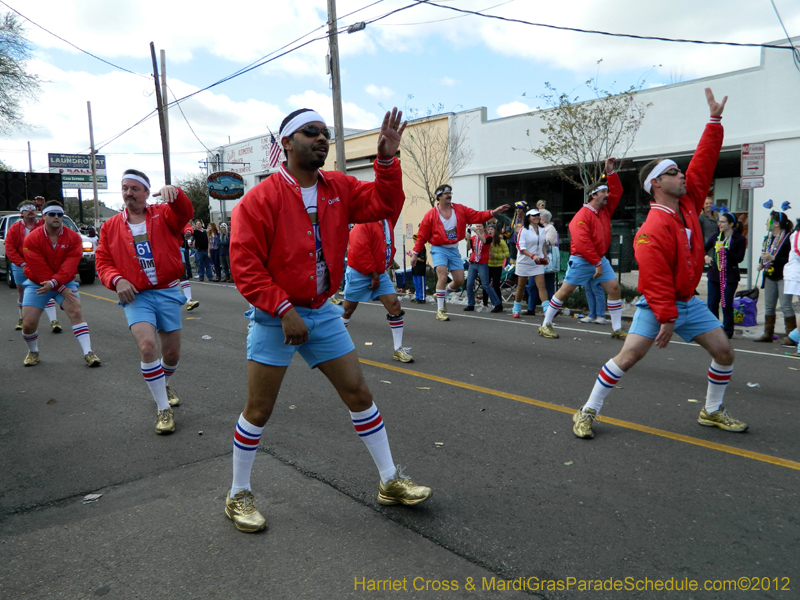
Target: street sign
<point>748,183</point>
<point>753,159</point>
<point>76,170</point>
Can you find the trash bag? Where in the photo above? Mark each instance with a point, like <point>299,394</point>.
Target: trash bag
<point>745,312</point>
<point>751,293</point>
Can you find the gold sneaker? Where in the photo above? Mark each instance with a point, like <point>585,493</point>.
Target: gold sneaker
<point>619,334</point>
<point>401,490</point>
<point>547,331</point>
<point>241,509</point>
<point>721,419</point>
<point>165,421</point>
<point>32,359</point>
<point>55,326</point>
<point>172,398</point>
<point>402,355</point>
<point>441,315</point>
<point>583,423</point>
<point>335,301</point>
<point>91,359</point>
<point>192,304</point>
<point>19,325</point>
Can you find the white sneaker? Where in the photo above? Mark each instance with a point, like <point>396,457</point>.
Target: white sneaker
<point>587,320</point>
<point>601,320</point>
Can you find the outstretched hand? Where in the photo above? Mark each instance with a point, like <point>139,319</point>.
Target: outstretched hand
<point>391,132</point>
<point>168,193</point>
<point>715,107</point>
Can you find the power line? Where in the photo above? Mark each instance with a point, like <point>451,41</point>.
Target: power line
<point>795,51</point>
<point>597,32</point>
<point>447,19</point>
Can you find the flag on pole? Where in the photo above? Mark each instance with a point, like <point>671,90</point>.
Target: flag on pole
<point>274,151</point>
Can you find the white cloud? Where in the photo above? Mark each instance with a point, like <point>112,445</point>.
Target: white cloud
<point>513,108</point>
<point>381,93</point>
<point>448,81</point>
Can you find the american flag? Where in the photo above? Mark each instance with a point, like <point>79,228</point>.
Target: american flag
<point>274,151</point>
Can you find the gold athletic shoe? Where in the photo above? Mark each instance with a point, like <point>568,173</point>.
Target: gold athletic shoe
<point>165,421</point>
<point>441,315</point>
<point>402,355</point>
<point>547,331</point>
<point>401,490</point>
<point>91,359</point>
<point>619,334</point>
<point>172,398</point>
<point>335,300</point>
<point>32,359</point>
<point>192,304</point>
<point>583,423</point>
<point>241,509</point>
<point>55,326</point>
<point>19,325</point>
<point>721,419</point>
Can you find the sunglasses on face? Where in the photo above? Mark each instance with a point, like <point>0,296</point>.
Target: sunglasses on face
<point>55,214</point>
<point>314,131</point>
<point>671,172</point>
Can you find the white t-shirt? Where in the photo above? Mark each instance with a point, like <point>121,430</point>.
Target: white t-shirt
<point>450,226</point>
<point>534,243</point>
<point>323,277</point>
<point>144,251</point>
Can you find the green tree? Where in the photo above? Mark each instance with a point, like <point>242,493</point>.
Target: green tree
<point>580,134</point>
<point>196,187</point>
<point>16,84</point>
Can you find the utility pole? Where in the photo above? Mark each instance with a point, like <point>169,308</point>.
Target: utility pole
<point>338,125</point>
<point>165,97</point>
<point>94,168</point>
<point>30,162</point>
<point>161,118</point>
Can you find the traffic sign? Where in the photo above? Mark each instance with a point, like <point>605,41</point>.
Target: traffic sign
<point>748,183</point>
<point>753,159</point>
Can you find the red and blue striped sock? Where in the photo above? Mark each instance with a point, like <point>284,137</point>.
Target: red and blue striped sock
<point>440,296</point>
<point>81,331</point>
<point>168,371</point>
<point>369,426</point>
<point>50,309</point>
<point>186,288</point>
<point>396,323</point>
<point>246,437</point>
<point>718,378</point>
<point>609,376</point>
<point>153,375</point>
<point>615,310</point>
<point>552,310</point>
<point>32,340</point>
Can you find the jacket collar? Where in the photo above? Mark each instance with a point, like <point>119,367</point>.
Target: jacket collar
<point>290,178</point>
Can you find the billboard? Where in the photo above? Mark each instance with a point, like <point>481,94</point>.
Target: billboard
<point>76,170</point>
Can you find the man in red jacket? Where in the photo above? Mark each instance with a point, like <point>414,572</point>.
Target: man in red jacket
<point>444,226</point>
<point>590,238</point>
<point>51,256</point>
<point>371,252</point>
<point>14,239</point>
<point>139,257</point>
<point>289,236</point>
<point>669,248</point>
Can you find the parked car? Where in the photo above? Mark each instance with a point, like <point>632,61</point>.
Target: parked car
<point>86,269</point>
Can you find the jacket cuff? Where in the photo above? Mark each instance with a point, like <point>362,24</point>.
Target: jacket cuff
<point>716,120</point>
<point>283,308</point>
<point>385,162</point>
<point>115,280</point>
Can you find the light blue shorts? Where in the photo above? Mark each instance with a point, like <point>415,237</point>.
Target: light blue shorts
<point>160,308</point>
<point>694,319</point>
<point>327,337</point>
<point>449,257</point>
<point>580,271</point>
<point>31,298</point>
<point>19,275</point>
<point>355,287</point>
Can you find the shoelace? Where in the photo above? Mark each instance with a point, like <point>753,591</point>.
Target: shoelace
<point>405,350</point>
<point>244,503</point>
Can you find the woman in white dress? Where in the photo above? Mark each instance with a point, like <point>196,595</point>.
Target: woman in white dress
<point>531,258</point>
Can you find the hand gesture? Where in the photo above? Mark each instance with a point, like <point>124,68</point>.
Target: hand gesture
<point>391,132</point>
<point>715,107</point>
<point>500,209</point>
<point>46,287</point>
<point>168,193</point>
<point>609,167</point>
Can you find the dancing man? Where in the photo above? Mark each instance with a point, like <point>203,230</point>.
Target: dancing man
<point>147,281</point>
<point>590,238</point>
<point>444,226</point>
<point>670,251</point>
<point>288,243</point>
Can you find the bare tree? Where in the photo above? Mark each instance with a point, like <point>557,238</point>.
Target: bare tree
<point>432,153</point>
<point>580,134</point>
<point>16,84</point>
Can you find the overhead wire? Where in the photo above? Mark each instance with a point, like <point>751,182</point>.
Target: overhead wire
<point>795,51</point>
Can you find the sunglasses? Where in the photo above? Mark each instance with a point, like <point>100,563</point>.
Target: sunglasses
<point>671,172</point>
<point>314,131</point>
<point>55,214</point>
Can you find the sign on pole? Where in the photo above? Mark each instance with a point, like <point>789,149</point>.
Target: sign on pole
<point>753,159</point>
<point>748,183</point>
<point>76,170</point>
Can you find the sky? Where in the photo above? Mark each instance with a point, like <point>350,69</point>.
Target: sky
<point>411,54</point>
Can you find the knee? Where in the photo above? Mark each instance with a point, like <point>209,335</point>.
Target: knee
<point>257,413</point>
<point>360,398</point>
<point>394,308</point>
<point>171,356</point>
<point>149,350</point>
<point>724,355</point>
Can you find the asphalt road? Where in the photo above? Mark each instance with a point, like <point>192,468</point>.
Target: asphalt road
<point>483,416</point>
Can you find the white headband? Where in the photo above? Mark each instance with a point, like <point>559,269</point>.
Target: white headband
<point>25,207</point>
<point>447,188</point>
<point>141,180</point>
<point>52,208</point>
<point>304,118</point>
<point>602,187</point>
<point>657,171</point>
